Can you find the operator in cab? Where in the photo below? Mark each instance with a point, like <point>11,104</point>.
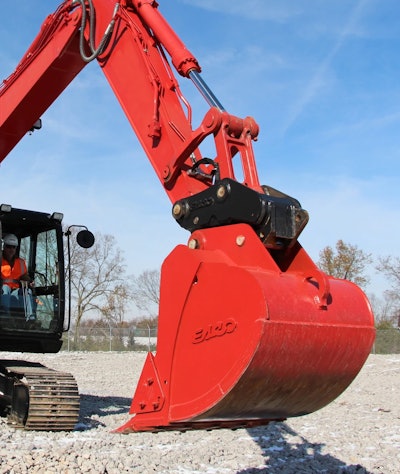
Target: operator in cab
<point>15,279</point>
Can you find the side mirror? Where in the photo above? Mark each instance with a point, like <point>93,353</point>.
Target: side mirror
<point>85,239</point>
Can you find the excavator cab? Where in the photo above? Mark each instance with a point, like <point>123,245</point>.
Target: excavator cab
<point>32,316</point>
<point>32,396</point>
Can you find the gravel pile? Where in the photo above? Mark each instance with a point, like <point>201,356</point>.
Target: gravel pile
<point>358,433</point>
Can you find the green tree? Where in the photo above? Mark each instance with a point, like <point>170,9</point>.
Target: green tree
<point>346,261</point>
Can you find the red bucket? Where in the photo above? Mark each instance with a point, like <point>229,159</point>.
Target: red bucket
<point>246,336</point>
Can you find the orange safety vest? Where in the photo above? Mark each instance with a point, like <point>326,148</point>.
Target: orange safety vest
<point>11,274</point>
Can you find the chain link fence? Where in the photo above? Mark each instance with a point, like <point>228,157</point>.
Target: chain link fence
<point>145,339</point>
<point>387,341</point>
<point>111,339</point>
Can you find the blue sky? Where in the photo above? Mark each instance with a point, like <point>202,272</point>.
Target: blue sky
<point>320,77</point>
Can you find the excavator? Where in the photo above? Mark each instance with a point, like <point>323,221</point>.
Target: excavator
<point>250,330</point>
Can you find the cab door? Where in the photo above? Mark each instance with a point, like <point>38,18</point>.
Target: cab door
<point>44,256</point>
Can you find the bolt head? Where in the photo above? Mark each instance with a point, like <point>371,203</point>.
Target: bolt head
<point>193,244</point>
<point>221,191</point>
<point>177,210</point>
<point>240,240</point>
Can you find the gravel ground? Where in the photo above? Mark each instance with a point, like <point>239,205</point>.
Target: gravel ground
<point>358,433</point>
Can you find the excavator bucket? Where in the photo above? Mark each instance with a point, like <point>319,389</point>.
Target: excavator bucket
<point>248,335</point>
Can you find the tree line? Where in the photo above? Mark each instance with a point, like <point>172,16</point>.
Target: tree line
<point>103,293</point>
<point>349,262</point>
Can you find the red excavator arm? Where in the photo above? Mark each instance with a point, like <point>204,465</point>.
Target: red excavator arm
<point>250,330</point>
<point>135,37</point>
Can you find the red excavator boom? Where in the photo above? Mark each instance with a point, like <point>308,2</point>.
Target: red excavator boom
<point>250,330</point>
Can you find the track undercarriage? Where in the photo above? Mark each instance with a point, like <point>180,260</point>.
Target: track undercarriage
<point>35,397</point>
